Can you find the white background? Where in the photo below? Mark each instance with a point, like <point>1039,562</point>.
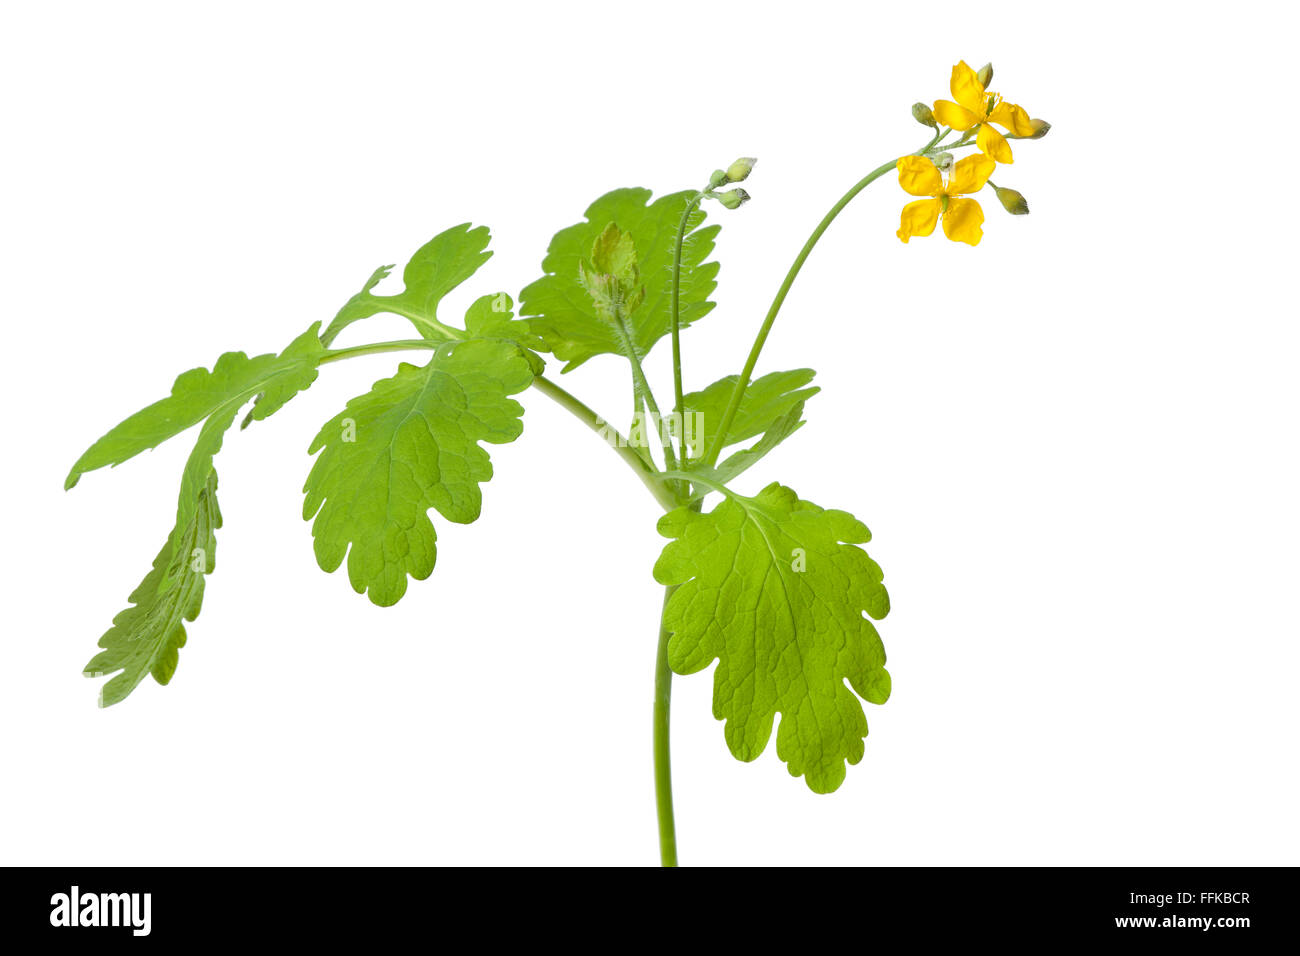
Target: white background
<point>1075,444</point>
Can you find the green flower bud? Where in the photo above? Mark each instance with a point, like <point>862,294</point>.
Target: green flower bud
<point>718,178</point>
<point>1012,201</point>
<point>942,161</point>
<point>1040,129</point>
<point>733,198</point>
<point>924,115</point>
<point>740,169</point>
<point>985,75</point>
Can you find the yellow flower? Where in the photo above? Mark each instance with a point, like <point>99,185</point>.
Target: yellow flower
<point>962,218</point>
<point>974,106</point>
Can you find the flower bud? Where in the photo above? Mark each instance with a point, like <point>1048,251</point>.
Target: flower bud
<point>718,178</point>
<point>985,75</point>
<point>1012,201</point>
<point>740,169</point>
<point>733,198</point>
<point>942,161</point>
<point>923,115</point>
<point>1040,129</point>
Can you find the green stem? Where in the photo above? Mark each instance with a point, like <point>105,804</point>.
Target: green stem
<point>715,447</point>
<point>939,136</point>
<point>427,322</point>
<point>656,417</point>
<point>737,393</point>
<point>647,474</point>
<point>642,394</point>
<point>401,345</point>
<point>675,315</point>
<point>663,762</point>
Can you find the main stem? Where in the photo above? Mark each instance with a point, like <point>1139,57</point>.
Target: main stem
<point>663,759</point>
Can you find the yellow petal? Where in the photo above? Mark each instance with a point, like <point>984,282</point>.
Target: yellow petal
<point>970,174</point>
<point>918,218</point>
<point>918,176</point>
<point>1014,118</point>
<point>967,88</point>
<point>950,114</point>
<point>993,143</point>
<point>962,221</point>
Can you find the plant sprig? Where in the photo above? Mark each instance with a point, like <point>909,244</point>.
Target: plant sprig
<point>776,591</point>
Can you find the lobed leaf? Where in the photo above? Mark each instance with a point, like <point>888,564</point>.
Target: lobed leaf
<point>146,638</point>
<point>410,444</point>
<point>437,267</point>
<point>774,589</point>
<point>772,406</point>
<point>559,307</point>
<point>492,317</point>
<point>199,394</point>
<point>213,398</point>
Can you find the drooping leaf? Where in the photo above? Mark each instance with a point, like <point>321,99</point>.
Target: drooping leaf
<point>217,396</point>
<point>437,267</point>
<point>199,394</point>
<point>410,444</point>
<point>146,638</point>
<point>774,589</point>
<point>560,308</point>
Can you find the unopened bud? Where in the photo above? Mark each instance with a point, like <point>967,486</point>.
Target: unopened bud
<point>942,161</point>
<point>718,178</point>
<point>739,170</point>
<point>1040,129</point>
<point>733,198</point>
<point>985,75</point>
<point>1012,201</point>
<point>924,115</point>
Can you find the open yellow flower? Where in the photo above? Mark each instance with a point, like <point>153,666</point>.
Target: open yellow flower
<point>977,106</point>
<point>962,218</point>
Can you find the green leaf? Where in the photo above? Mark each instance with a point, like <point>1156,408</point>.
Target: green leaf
<point>492,317</point>
<point>217,397</point>
<point>199,394</point>
<point>746,458</point>
<point>410,444</point>
<point>146,638</point>
<point>774,589</point>
<point>559,306</point>
<point>766,401</point>
<point>437,267</point>
<point>613,281</point>
<point>772,406</point>
<point>614,253</point>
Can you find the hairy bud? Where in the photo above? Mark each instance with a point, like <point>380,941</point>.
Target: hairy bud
<point>733,198</point>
